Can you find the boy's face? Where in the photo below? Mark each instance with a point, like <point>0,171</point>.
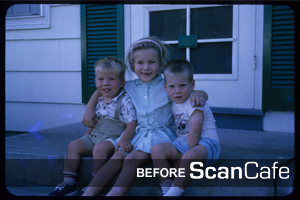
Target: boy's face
<point>178,87</point>
<point>108,83</point>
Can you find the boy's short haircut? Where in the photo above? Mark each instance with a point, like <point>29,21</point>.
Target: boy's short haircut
<point>112,64</point>
<point>178,66</point>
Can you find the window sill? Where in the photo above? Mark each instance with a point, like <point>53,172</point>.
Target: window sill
<point>30,22</point>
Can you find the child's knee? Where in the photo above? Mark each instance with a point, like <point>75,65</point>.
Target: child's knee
<point>76,145</point>
<point>134,159</point>
<point>102,151</point>
<point>196,153</point>
<point>157,149</point>
<point>132,162</point>
<point>119,155</point>
<point>189,155</point>
<point>98,154</point>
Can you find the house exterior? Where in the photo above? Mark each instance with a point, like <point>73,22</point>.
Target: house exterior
<point>243,59</point>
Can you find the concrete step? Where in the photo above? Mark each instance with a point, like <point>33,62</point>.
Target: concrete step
<point>34,162</point>
<point>47,173</point>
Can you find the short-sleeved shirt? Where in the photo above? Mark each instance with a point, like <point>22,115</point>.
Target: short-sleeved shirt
<point>182,113</point>
<point>127,112</point>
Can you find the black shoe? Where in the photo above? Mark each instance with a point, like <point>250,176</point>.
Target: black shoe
<point>64,190</point>
<point>82,191</point>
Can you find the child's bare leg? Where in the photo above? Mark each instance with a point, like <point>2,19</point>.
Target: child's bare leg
<point>105,175</point>
<point>101,153</point>
<point>199,152</point>
<point>161,153</point>
<point>128,173</point>
<point>76,149</point>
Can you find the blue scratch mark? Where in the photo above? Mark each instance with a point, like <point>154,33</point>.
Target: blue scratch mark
<point>34,131</point>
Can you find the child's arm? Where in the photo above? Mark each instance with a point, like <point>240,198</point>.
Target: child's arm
<point>196,121</point>
<point>199,98</point>
<point>89,113</point>
<point>124,142</point>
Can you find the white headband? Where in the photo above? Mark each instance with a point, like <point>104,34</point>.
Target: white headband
<point>146,40</point>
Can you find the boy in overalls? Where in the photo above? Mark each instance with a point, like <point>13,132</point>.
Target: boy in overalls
<point>115,114</point>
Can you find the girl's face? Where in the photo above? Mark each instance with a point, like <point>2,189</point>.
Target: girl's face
<point>108,84</point>
<point>146,64</point>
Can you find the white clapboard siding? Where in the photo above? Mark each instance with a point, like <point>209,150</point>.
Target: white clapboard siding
<point>43,55</point>
<point>43,73</point>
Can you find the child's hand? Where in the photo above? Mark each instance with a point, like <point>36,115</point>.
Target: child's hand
<point>89,131</point>
<point>89,119</point>
<point>125,145</point>
<point>198,98</point>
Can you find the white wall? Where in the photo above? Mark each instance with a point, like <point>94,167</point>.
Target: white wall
<point>43,73</point>
<point>279,121</point>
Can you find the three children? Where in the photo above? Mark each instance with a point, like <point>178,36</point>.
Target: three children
<point>154,133</point>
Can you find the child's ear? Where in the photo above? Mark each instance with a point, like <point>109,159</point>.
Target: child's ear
<point>165,86</point>
<point>122,83</point>
<point>161,66</point>
<point>193,84</point>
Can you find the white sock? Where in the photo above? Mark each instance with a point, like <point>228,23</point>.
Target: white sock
<point>70,178</point>
<point>165,186</point>
<point>174,191</point>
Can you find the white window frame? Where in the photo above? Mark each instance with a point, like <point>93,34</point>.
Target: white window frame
<point>30,22</point>
<point>234,39</point>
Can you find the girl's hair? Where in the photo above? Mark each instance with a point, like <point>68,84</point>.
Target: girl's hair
<point>112,64</point>
<point>178,66</point>
<point>147,43</point>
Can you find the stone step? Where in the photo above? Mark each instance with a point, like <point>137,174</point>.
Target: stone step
<point>34,162</point>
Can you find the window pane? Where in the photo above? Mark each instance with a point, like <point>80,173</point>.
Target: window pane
<point>177,52</point>
<point>212,58</point>
<point>24,10</point>
<point>167,25</point>
<point>212,22</point>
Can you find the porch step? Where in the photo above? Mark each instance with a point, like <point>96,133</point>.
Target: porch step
<point>34,161</point>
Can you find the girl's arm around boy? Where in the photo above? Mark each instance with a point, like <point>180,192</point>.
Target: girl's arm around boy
<point>89,115</point>
<point>198,99</point>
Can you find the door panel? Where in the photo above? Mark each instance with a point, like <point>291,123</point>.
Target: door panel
<point>225,60</point>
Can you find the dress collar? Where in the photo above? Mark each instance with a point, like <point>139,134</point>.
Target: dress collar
<point>153,82</point>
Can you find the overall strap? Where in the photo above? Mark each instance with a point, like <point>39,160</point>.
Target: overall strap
<point>118,107</point>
